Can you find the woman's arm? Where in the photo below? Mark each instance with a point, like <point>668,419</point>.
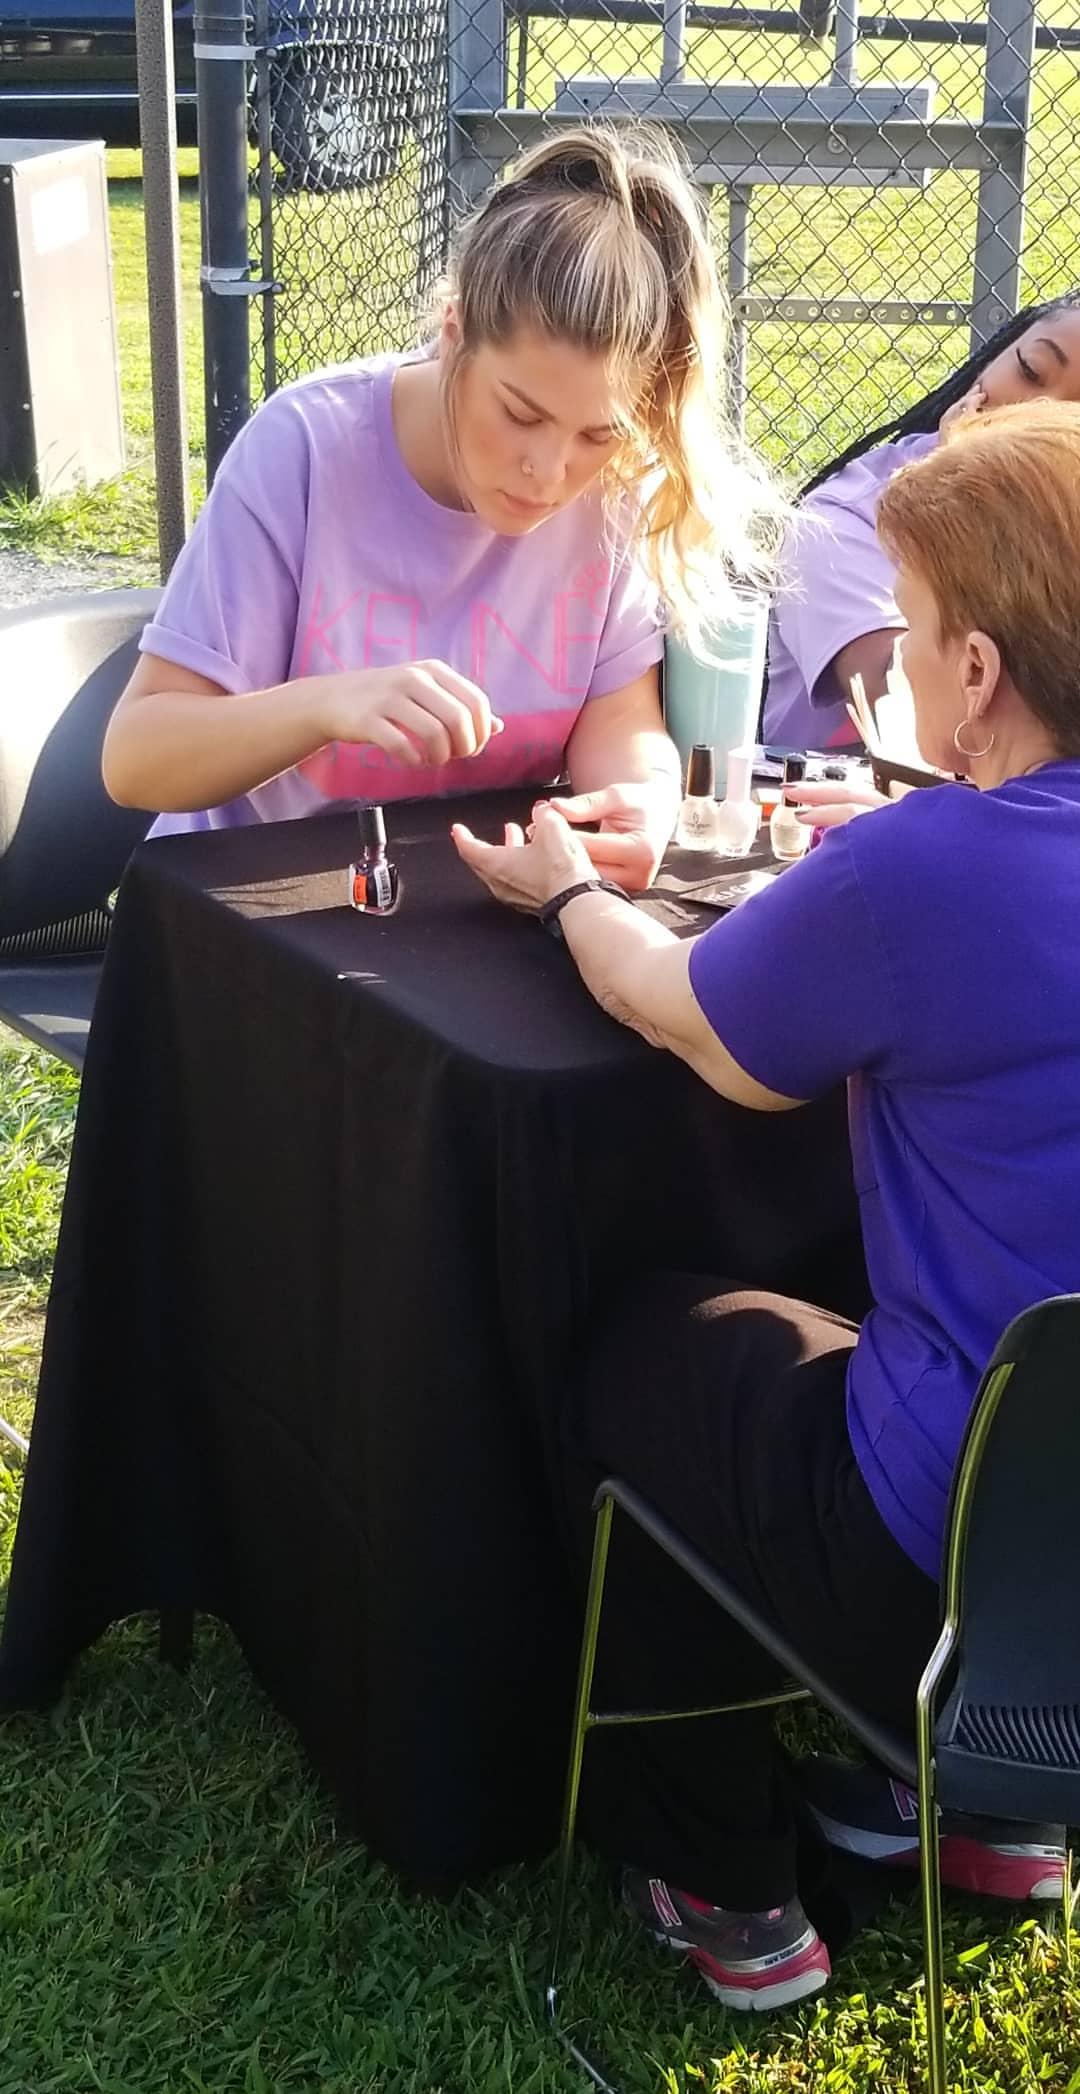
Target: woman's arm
<point>870,657</point>
<point>635,969</point>
<point>640,974</point>
<point>178,742</point>
<point>626,774</point>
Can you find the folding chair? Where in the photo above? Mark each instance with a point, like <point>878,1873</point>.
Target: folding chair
<point>997,1711</point>
<point>63,844</point>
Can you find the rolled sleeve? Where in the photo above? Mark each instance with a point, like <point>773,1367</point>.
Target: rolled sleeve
<point>632,640</point>
<point>230,609</point>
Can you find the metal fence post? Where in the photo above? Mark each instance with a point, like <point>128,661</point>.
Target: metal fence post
<point>477,81</point>
<point>157,120</point>
<point>999,234</point>
<point>223,56</point>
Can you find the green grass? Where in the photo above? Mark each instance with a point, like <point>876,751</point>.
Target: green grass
<point>179,1913</point>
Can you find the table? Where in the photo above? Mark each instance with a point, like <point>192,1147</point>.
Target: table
<point>344,1192</point>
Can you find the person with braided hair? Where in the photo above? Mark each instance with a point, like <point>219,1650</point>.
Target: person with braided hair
<point>450,570</point>
<point>836,616</point>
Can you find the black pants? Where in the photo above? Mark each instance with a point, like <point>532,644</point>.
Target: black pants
<point>726,1409</point>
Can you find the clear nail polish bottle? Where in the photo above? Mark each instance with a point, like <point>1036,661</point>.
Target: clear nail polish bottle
<point>738,816</point>
<point>789,837</point>
<point>373,878</point>
<point>696,827</point>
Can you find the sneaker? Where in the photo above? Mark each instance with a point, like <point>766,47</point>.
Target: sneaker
<point>868,1812</point>
<point>749,1960</point>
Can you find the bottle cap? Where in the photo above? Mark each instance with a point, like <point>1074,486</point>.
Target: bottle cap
<point>372,828</point>
<point>794,769</point>
<point>740,765</point>
<point>701,772</point>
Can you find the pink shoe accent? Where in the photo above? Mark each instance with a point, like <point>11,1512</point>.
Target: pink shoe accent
<point>994,1872</point>
<point>790,1978</point>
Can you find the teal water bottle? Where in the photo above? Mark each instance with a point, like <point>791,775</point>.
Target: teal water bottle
<point>717,702</point>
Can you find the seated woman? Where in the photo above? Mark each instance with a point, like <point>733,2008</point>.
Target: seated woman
<point>836,615</point>
<point>438,572</point>
<point>928,956</point>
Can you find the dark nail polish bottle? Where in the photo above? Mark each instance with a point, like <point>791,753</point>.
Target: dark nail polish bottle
<point>373,878</point>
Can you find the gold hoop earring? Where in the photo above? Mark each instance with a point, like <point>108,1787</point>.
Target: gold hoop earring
<point>971,755</point>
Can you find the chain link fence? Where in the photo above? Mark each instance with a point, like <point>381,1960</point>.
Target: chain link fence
<point>883,188</point>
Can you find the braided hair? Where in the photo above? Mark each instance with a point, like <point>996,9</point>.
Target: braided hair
<point>923,418</point>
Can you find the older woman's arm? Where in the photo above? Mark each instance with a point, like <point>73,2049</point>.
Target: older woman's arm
<point>640,975</point>
<point>636,970</point>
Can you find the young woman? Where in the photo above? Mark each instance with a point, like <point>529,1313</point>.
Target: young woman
<point>432,573</point>
<point>928,956</point>
<point>836,615</point>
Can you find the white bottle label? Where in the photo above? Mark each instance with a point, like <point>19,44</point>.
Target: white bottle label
<point>383,886</point>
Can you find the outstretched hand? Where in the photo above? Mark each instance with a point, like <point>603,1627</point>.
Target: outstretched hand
<point>826,802</point>
<point>528,874</point>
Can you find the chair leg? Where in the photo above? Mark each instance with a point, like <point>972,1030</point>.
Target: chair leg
<point>578,1731</point>
<point>930,1880</point>
<point>14,1439</point>
<point>176,1636</point>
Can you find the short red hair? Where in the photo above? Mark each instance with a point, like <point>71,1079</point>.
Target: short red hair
<point>990,521</point>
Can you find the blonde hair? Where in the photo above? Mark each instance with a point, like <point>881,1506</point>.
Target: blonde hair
<point>990,521</point>
<point>596,237</point>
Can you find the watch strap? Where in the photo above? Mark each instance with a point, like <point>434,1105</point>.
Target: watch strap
<point>549,914</point>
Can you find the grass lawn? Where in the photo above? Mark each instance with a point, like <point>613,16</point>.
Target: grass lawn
<point>177,1912</point>
<point>179,1916</point>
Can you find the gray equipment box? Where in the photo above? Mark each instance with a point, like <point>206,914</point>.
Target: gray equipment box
<point>60,423</point>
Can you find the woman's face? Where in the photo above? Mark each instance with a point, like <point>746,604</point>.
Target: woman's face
<point>934,670</point>
<point>1043,364</point>
<point>534,422</point>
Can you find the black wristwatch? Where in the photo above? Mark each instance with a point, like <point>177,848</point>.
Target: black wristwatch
<point>549,914</point>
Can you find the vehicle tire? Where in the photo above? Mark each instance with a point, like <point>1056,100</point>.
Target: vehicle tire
<point>338,120</point>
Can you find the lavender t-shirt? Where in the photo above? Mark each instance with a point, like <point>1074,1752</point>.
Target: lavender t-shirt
<point>929,953</point>
<point>317,550</point>
<point>838,584</point>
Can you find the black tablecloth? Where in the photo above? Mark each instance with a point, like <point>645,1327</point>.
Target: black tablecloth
<point>343,1195</point>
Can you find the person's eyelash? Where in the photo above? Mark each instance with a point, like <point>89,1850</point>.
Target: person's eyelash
<point>1029,372</point>
<point>522,421</point>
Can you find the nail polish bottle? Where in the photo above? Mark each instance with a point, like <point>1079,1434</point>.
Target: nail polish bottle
<point>695,829</point>
<point>373,878</point>
<point>738,816</point>
<point>789,837</point>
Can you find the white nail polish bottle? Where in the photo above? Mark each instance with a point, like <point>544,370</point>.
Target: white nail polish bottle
<point>789,837</point>
<point>695,829</point>
<point>737,815</point>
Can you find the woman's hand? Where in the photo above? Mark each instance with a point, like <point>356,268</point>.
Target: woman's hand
<point>973,402</point>
<point>418,713</point>
<point>828,802</point>
<point>528,874</point>
<point>635,830</point>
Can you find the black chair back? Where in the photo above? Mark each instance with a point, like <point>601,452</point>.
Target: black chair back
<point>1008,1736</point>
<point>63,843</point>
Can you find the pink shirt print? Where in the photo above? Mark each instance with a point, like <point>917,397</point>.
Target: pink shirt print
<point>318,552</point>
